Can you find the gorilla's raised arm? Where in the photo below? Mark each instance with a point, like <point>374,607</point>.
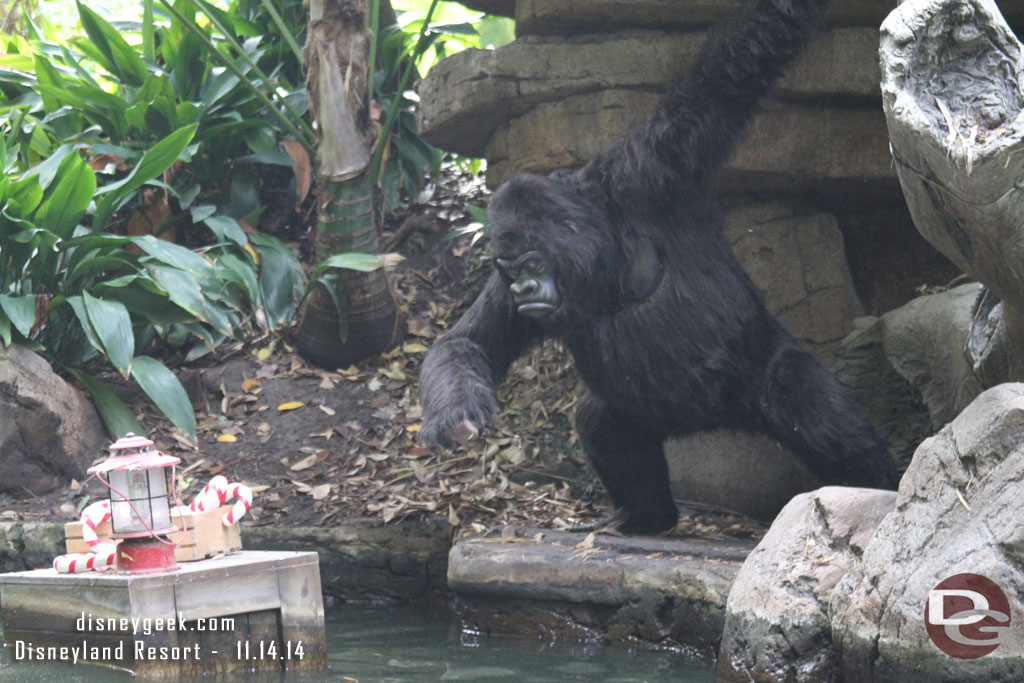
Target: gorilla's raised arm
<point>694,126</point>
<point>463,368</point>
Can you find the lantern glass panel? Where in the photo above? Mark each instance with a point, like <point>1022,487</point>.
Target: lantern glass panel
<point>146,489</point>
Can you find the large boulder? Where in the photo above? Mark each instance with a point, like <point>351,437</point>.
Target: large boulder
<point>958,512</point>
<point>907,368</point>
<point>49,433</point>
<point>776,619</point>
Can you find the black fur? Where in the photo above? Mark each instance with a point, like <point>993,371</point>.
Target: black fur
<point>700,351</point>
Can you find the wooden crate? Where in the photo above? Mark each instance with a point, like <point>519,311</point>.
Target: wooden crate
<point>206,537</point>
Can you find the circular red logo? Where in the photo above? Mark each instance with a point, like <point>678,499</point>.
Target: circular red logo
<point>967,616</point>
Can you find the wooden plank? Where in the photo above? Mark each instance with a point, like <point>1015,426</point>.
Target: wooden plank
<point>60,607</point>
<point>302,613</point>
<point>264,636</point>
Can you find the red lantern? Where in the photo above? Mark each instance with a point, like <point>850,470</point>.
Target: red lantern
<point>140,504</point>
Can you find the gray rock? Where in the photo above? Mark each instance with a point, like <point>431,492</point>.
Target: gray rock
<point>572,16</point>
<point>743,472</point>
<point>29,545</point>
<point>468,96</point>
<point>796,258</point>
<point>657,590</point>
<point>777,626</point>
<point>365,559</point>
<point>782,150</point>
<point>958,511</point>
<point>907,369</point>
<point>49,433</point>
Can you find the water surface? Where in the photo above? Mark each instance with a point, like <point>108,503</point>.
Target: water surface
<point>418,643</point>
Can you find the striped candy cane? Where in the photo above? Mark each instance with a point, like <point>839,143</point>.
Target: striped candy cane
<point>212,496</point>
<point>75,563</point>
<point>241,506</point>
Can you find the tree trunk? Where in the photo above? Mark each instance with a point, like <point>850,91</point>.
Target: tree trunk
<point>336,55</point>
<point>953,93</point>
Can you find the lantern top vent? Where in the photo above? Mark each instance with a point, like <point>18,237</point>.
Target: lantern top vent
<point>143,457</point>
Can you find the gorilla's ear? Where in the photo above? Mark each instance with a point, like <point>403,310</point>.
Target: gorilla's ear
<point>643,273</point>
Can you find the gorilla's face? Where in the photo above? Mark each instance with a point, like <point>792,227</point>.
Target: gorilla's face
<point>531,281</point>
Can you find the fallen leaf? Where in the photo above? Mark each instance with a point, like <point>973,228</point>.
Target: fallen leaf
<point>227,438</point>
<point>329,411</point>
<point>301,167</point>
<point>304,464</point>
<point>588,542</point>
<point>321,492</point>
<point>290,405</point>
<point>263,353</point>
<point>249,385</point>
<point>301,487</point>
<point>414,348</point>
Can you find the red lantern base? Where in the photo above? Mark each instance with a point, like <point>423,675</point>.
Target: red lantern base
<point>144,556</point>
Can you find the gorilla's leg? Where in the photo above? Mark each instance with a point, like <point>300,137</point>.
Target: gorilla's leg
<point>631,465</point>
<point>806,409</point>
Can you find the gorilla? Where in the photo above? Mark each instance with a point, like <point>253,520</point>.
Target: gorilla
<point>624,261</point>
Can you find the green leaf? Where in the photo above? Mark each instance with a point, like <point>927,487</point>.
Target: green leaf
<point>5,329</point>
<point>21,311</point>
<point>78,306</point>
<point>120,58</point>
<point>355,261</point>
<point>281,279</point>
<point>182,288</point>
<point>166,391</point>
<point>157,160</point>
<point>226,227</point>
<point>69,199</point>
<point>113,326</point>
<point>174,255</point>
<point>116,416</point>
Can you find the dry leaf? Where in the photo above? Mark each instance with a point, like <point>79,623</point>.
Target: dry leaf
<point>304,464</point>
<point>321,492</point>
<point>302,168</point>
<point>588,542</point>
<point>302,487</point>
<point>414,347</point>
<point>263,353</point>
<point>227,438</point>
<point>329,411</point>
<point>249,385</point>
<point>290,405</point>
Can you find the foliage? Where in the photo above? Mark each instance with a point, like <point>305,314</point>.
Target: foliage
<point>97,138</point>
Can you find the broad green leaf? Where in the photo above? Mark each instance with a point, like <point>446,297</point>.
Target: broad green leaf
<point>116,416</point>
<point>5,330</point>
<point>166,391</point>
<point>21,311</point>
<point>113,326</point>
<point>68,200</point>
<point>46,170</point>
<point>121,59</point>
<point>174,255</point>
<point>242,272</point>
<point>281,279</point>
<point>157,160</point>
<point>78,306</point>
<point>226,227</point>
<point>183,289</point>
<point>358,261</point>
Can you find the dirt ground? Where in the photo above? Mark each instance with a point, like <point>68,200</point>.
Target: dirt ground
<point>319,447</point>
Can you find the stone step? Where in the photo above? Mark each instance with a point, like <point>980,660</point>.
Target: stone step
<point>467,97</point>
<point>670,591</point>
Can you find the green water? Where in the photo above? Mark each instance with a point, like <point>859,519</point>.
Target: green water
<point>414,643</point>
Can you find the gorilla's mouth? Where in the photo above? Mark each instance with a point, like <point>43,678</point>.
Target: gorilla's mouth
<point>536,309</point>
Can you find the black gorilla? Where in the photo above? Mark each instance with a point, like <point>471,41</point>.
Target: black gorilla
<point>624,261</point>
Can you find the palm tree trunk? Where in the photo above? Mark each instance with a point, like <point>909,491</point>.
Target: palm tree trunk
<point>337,54</point>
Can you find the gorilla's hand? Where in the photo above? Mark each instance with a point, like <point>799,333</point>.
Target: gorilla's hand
<point>455,425</point>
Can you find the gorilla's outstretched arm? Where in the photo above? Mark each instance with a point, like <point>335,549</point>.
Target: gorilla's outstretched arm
<point>693,128</point>
<point>463,368</point>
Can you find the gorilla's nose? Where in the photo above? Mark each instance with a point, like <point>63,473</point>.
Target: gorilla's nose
<point>526,289</point>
